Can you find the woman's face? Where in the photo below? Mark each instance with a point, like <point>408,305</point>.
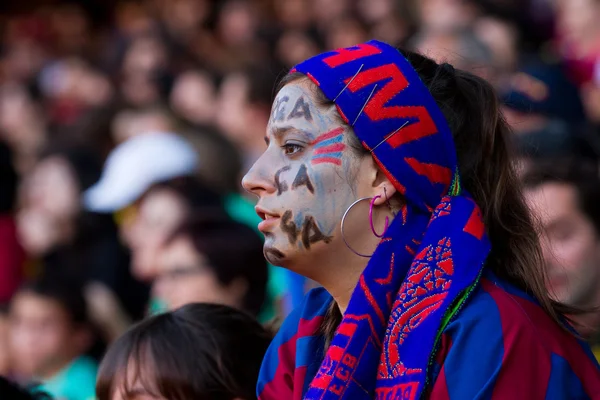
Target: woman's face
<point>184,277</point>
<point>41,336</point>
<point>160,212</point>
<point>52,188</point>
<point>194,97</point>
<point>305,180</point>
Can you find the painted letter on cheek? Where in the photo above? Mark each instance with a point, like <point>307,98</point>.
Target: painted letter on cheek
<point>289,226</point>
<point>281,186</point>
<point>278,109</point>
<point>300,109</point>
<point>311,233</point>
<point>302,179</point>
<point>274,256</point>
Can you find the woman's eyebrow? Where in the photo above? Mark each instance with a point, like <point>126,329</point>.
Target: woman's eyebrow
<point>280,132</point>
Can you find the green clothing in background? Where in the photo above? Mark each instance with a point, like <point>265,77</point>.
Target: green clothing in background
<point>157,306</point>
<point>77,381</point>
<point>242,210</point>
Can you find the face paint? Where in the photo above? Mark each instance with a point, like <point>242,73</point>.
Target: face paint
<point>274,256</point>
<point>329,147</point>
<point>300,110</point>
<point>281,185</point>
<point>277,114</point>
<point>302,215</point>
<point>310,230</point>
<point>302,179</point>
<point>311,233</point>
<point>288,226</point>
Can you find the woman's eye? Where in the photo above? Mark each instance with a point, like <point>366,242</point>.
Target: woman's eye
<point>291,148</point>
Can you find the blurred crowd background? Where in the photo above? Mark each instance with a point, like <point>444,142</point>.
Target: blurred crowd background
<point>125,127</point>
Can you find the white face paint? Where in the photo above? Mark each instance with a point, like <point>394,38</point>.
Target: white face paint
<point>303,179</point>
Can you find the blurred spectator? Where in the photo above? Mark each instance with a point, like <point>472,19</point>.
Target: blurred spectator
<point>25,40</point>
<point>163,207</point>
<point>344,32</point>
<point>132,122</point>
<point>293,14</point>
<point>393,29</point>
<point>217,355</point>
<point>460,48</point>
<point>556,138</point>
<point>578,37</point>
<point>325,11</point>
<point>295,46</point>
<point>12,257</point>
<point>539,92</point>
<point>374,11</point>
<point>58,233</point>
<point>71,87</point>
<point>145,76</point>
<point>49,334</point>
<point>501,36</point>
<point>445,15</point>
<point>22,125</point>
<point>193,97</point>
<point>50,196</point>
<point>198,264</point>
<point>243,110</point>
<point>135,165</point>
<point>221,162</point>
<point>564,195</point>
<point>236,42</point>
<point>128,177</point>
<point>182,18</point>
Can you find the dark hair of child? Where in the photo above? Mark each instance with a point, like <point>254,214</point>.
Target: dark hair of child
<point>199,351</point>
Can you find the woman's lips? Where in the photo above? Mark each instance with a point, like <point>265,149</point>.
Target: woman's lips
<point>268,223</point>
<point>269,219</point>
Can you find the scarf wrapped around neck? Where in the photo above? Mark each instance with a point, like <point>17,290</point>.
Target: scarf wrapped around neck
<point>432,255</point>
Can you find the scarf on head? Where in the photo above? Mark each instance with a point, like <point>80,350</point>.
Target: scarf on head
<point>432,254</point>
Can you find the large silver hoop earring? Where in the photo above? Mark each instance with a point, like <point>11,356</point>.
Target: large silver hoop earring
<point>342,228</point>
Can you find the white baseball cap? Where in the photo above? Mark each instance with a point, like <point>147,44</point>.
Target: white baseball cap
<point>135,165</point>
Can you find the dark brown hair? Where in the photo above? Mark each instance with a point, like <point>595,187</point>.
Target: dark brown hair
<point>195,193</point>
<point>65,290</point>
<point>197,352</point>
<point>482,141</point>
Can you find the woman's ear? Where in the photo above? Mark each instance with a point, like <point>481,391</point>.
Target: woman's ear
<point>374,182</point>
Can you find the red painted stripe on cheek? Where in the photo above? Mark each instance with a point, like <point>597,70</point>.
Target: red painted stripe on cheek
<point>328,135</point>
<point>331,148</point>
<point>325,160</point>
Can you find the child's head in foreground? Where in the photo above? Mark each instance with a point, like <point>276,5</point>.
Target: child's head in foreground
<point>199,351</point>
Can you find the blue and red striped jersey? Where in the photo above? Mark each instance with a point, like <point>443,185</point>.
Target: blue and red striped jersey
<point>501,345</point>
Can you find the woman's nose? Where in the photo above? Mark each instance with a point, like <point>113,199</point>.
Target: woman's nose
<point>257,181</point>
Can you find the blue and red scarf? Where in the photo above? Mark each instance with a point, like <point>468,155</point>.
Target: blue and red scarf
<point>433,253</point>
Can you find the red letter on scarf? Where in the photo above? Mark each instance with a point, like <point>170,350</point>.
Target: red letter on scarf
<point>344,56</point>
<point>377,110</point>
